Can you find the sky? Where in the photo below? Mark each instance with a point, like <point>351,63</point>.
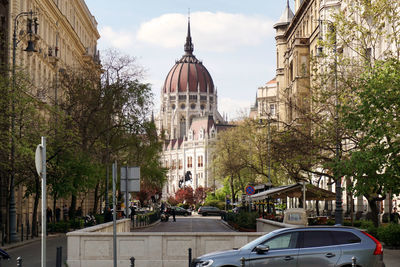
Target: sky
<point>235,39</point>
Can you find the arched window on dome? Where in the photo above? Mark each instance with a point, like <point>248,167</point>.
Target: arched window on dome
<point>182,127</point>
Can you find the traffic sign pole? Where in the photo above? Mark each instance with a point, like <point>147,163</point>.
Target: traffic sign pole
<point>250,191</point>
<point>44,200</point>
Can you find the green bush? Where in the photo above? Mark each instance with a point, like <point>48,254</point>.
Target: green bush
<point>330,222</point>
<point>390,235</point>
<point>355,223</point>
<point>385,218</point>
<point>76,223</point>
<point>246,220</point>
<point>369,227</point>
<point>59,227</point>
<point>99,218</point>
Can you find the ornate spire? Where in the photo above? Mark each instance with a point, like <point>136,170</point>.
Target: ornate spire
<point>286,17</point>
<point>188,44</point>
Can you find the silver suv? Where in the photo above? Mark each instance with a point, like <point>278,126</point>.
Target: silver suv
<point>302,247</point>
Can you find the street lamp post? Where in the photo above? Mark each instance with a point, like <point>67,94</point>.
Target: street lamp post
<point>338,185</point>
<point>30,48</point>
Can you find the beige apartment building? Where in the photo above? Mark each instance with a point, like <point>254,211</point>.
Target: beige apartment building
<point>298,41</point>
<point>66,37</point>
<point>64,34</point>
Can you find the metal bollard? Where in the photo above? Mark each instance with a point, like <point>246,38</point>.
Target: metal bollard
<point>190,256</point>
<point>27,229</point>
<point>19,262</point>
<point>353,261</point>
<point>2,236</point>
<point>59,257</point>
<point>242,261</point>
<point>132,261</point>
<point>22,232</point>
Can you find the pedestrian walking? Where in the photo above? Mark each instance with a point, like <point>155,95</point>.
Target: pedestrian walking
<point>394,216</point>
<point>49,215</point>
<point>133,212</point>
<point>162,207</point>
<point>173,214</point>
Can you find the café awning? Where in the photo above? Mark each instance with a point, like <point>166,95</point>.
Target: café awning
<point>295,191</point>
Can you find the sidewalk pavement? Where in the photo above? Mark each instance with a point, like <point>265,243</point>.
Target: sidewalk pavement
<point>391,257</point>
<point>18,244</point>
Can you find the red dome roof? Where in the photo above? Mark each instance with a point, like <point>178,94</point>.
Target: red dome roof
<point>188,74</point>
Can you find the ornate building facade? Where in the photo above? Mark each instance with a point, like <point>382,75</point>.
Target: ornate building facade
<point>189,122</point>
<point>64,34</point>
<point>298,37</point>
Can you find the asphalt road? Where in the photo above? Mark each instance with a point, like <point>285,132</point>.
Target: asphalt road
<point>31,252</point>
<point>194,223</point>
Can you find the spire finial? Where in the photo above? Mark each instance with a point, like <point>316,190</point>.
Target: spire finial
<point>287,3</point>
<point>188,44</point>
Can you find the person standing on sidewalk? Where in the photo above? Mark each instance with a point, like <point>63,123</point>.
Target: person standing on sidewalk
<point>173,213</point>
<point>49,215</point>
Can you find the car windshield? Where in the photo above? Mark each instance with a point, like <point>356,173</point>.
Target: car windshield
<point>257,241</point>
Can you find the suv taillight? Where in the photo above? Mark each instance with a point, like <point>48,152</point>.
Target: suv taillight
<point>378,249</point>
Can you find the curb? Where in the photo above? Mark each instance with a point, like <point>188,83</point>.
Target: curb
<point>145,226</point>
<point>228,226</point>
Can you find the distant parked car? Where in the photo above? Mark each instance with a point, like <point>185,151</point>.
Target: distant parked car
<point>302,247</point>
<point>181,211</point>
<point>208,210</point>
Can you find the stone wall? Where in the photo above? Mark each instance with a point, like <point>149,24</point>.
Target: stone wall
<point>94,246</point>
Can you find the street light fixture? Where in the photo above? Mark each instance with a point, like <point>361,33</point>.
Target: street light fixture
<point>30,48</point>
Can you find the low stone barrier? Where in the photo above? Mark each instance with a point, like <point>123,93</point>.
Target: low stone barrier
<point>93,246</point>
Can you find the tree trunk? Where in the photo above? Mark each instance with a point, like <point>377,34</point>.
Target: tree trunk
<point>35,230</point>
<point>96,198</point>
<point>72,209</point>
<point>54,206</point>
<point>232,186</point>
<point>374,210</point>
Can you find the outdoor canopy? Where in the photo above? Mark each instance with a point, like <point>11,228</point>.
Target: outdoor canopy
<point>295,191</point>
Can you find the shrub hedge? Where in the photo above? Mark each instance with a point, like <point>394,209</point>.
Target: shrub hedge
<point>390,235</point>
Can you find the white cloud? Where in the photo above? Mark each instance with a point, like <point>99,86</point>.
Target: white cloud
<point>211,31</point>
<point>119,39</point>
<point>233,107</point>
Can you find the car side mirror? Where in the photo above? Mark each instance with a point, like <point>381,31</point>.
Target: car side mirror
<point>260,249</point>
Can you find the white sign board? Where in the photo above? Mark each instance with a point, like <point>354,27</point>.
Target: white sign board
<point>130,176</point>
<point>38,159</point>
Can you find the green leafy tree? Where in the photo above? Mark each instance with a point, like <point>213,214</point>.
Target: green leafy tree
<point>374,118</point>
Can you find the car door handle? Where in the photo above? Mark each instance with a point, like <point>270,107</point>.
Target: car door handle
<point>330,255</point>
<point>288,258</point>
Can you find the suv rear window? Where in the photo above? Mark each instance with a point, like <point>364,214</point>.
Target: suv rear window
<point>317,239</point>
<point>341,238</point>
